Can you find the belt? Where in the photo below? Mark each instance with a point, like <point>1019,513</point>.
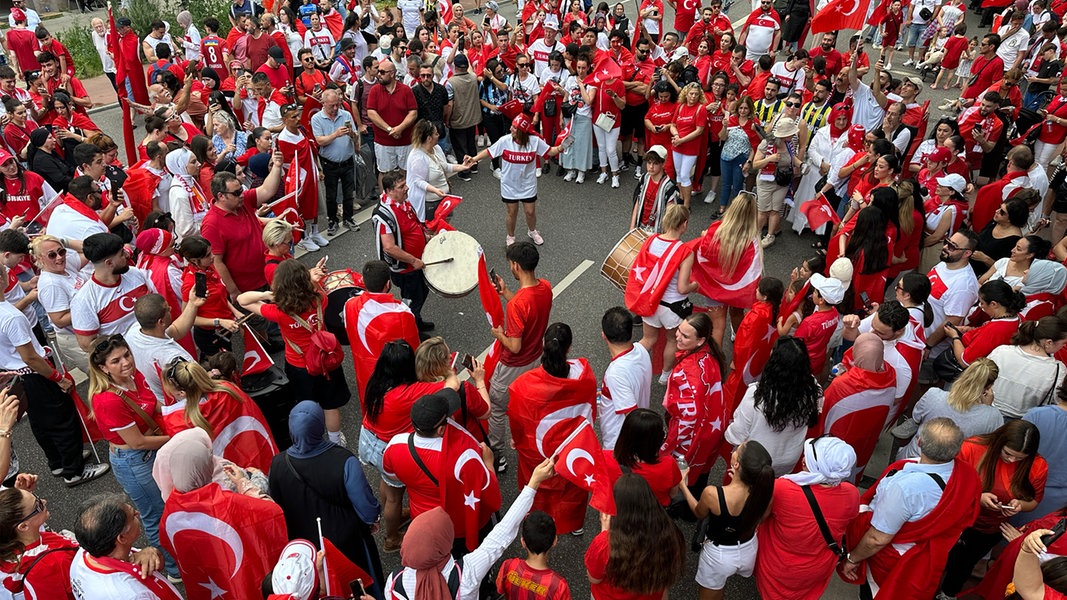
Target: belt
<point>339,164</point>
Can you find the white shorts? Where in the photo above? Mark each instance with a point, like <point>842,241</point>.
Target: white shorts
<point>683,168</point>
<point>718,563</point>
<point>664,318</point>
<point>391,158</point>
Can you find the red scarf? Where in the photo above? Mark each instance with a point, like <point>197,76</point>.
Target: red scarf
<point>81,208</point>
<point>155,583</point>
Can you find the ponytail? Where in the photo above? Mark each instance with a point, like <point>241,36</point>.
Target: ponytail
<point>1045,328</point>
<point>772,289</point>
<point>558,340</point>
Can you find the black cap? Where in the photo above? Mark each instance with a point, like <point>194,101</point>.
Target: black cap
<point>431,411</point>
<point>460,62</point>
<point>123,22</point>
<point>347,43</point>
<point>276,53</point>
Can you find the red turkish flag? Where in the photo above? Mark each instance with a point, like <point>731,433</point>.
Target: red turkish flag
<point>840,14</point>
<point>311,106</point>
<point>371,321</point>
<point>855,408</point>
<point>340,571</point>
<point>491,359</point>
<point>470,493</point>
<point>564,134</point>
<point>580,459</point>
<point>494,310</point>
<point>737,288</point>
<point>606,68</point>
<point>510,109</point>
<point>650,275</point>
<point>139,187</point>
<point>444,11</point>
<point>301,175</point>
<point>256,359</point>
<point>444,210</point>
<point>752,348</point>
<point>225,543</point>
<point>239,431</point>
<point>818,212</point>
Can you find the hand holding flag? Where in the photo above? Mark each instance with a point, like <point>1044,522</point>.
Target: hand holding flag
<point>818,212</point>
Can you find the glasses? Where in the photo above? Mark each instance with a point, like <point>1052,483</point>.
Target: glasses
<point>235,194</point>
<point>792,104</point>
<point>522,65</point>
<point>1001,211</point>
<point>172,368</point>
<point>106,344</point>
<point>38,508</point>
<point>54,254</point>
<point>953,246</point>
<point>309,59</point>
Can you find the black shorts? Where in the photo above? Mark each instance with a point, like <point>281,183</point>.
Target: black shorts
<point>633,121</point>
<point>329,393</point>
<point>518,200</point>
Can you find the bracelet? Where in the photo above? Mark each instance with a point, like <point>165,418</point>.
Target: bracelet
<point>216,322</point>
<point>5,434</point>
<point>848,557</point>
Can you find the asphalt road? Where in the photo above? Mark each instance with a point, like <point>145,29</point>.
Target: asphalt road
<point>580,224</point>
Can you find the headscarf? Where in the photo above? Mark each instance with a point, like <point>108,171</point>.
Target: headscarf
<point>829,463</point>
<point>39,136</point>
<point>427,546</point>
<point>307,428</point>
<point>867,352</point>
<point>211,74</point>
<point>1045,276</point>
<point>177,163</point>
<point>839,110</point>
<point>185,463</point>
<point>856,134</point>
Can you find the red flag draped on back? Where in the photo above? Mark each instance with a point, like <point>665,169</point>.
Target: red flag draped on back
<point>650,275</point>
<point>256,359</point>
<point>225,543</point>
<point>444,11</point>
<point>606,68</point>
<point>139,187</point>
<point>818,212</point>
<point>733,289</point>
<point>311,106</point>
<point>543,411</point>
<point>301,176</point>
<point>855,408</point>
<point>752,347</point>
<point>840,14</point>
<point>137,83</point>
<point>335,23</point>
<point>371,321</point>
<point>470,493</point>
<point>580,460</point>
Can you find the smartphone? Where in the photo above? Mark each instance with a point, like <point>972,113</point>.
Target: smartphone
<point>200,285</point>
<point>866,300</point>
<point>954,328</point>
<point>358,591</point>
<point>468,362</point>
<point>492,278</point>
<point>1057,530</point>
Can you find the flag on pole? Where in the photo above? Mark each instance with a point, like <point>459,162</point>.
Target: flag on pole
<point>840,14</point>
<point>256,359</point>
<point>818,212</point>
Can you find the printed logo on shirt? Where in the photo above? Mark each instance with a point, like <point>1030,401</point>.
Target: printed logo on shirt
<point>121,306</point>
<point>521,158</point>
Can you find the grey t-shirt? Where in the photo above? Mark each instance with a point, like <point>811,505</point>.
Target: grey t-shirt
<point>981,418</point>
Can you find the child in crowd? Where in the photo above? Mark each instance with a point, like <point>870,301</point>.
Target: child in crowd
<point>532,579</point>
<point>817,328</point>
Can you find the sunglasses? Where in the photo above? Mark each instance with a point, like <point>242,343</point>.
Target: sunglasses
<point>172,368</point>
<point>105,345</point>
<point>950,245</point>
<point>522,65</point>
<point>38,508</point>
<point>793,104</point>
<point>54,254</point>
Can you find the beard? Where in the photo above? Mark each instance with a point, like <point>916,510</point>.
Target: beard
<point>120,270</point>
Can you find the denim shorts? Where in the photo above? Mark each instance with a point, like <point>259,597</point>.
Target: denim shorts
<point>371,449</point>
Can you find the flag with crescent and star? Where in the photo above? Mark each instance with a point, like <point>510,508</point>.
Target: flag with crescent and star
<point>371,321</point>
<point>752,347</point>
<point>840,14</point>
<point>650,274</point>
<point>818,212</point>
<point>733,288</point>
<point>855,408</point>
<point>470,493</point>
<point>440,216</point>
<point>605,69</point>
<point>225,543</point>
<point>580,459</point>
<point>256,359</point>
<point>494,312</point>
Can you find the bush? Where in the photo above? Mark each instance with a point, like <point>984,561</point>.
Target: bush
<point>202,9</point>
<point>143,12</point>
<point>79,40</point>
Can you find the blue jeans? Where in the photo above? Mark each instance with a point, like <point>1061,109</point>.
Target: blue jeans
<point>732,179</point>
<point>133,470</point>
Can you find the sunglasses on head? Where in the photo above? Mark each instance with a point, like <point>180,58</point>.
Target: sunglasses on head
<point>106,344</point>
<point>172,368</point>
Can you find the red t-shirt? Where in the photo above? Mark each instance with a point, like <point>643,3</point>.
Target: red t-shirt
<point>211,53</point>
<point>989,521</point>
<point>519,581</point>
<point>113,414</point>
<point>527,318</point>
<point>397,462</point>
<point>757,85</point>
<point>650,200</point>
<point>661,476</point>
<point>686,120</point>
<point>217,305</point>
<point>292,332</point>
<point>660,113</point>
<point>279,77</point>
<point>238,239</point>
<point>980,341</point>
<point>24,44</point>
<point>596,562</point>
<point>23,195</point>
<point>816,331</point>
<point>270,265</point>
<point>395,416</point>
<point>605,104</point>
<point>988,71</point>
<point>954,48</point>
<point>393,109</point>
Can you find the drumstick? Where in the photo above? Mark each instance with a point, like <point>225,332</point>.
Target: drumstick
<point>438,262</point>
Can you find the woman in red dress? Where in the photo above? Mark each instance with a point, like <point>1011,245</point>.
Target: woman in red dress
<point>21,197</point>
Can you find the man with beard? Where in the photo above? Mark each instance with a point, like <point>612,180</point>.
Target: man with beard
<point>834,62</point>
<point>104,305</point>
<point>953,286</point>
<point>76,218</point>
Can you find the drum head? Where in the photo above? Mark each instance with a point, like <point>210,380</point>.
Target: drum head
<point>458,277</point>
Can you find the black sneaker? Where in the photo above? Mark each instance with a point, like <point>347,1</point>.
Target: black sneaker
<point>500,463</point>
<point>89,473</point>
<point>464,176</point>
<point>425,325</point>
<point>350,224</point>
<point>473,170</point>
<point>331,229</point>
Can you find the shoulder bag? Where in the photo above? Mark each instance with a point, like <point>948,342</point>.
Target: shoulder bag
<point>156,430</point>
<point>835,546</point>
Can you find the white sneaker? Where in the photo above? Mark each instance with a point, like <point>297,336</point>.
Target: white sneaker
<point>496,173</point>
<point>710,198</point>
<point>946,105</point>
<point>603,177</point>
<point>663,377</point>
<point>570,175</point>
<point>615,181</point>
<point>307,245</point>
<point>581,178</point>
<point>909,62</point>
<point>538,171</point>
<point>767,241</point>
<point>319,239</point>
<point>509,240</point>
<point>888,67</point>
<point>536,237</point>
<point>637,172</point>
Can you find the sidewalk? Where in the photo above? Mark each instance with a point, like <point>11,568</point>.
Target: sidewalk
<point>100,90</point>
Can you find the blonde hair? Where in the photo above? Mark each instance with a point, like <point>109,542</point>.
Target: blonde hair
<point>275,230</point>
<point>674,217</point>
<point>906,195</point>
<point>972,383</point>
<point>99,381</point>
<point>196,382</point>
<point>684,94</point>
<point>738,228</point>
<point>431,360</point>
<point>37,242</point>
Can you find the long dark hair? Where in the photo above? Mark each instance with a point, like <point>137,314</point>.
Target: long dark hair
<point>918,287</point>
<point>640,438</point>
<point>647,550</point>
<point>868,239</point>
<point>395,367</point>
<point>757,473</point>
<point>701,322</point>
<point>11,515</point>
<point>557,343</point>
<point>1020,436</point>
<point>773,290</point>
<point>293,290</point>
<point>788,394</point>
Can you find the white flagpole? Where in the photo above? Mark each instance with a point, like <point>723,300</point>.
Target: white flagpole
<point>325,567</point>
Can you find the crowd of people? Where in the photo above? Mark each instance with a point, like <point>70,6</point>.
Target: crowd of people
<point>930,312</point>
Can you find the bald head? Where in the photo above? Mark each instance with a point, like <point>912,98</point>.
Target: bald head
<point>940,440</point>
<point>867,352</point>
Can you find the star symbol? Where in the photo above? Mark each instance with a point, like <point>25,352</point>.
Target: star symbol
<point>213,589</point>
<point>471,500</point>
<point>639,273</point>
<point>770,332</point>
<point>716,424</point>
<point>589,480</point>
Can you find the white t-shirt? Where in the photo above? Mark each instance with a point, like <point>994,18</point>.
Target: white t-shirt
<point>950,14</point>
<point>99,309</point>
<point>100,43</point>
<point>865,108</point>
<point>149,351</point>
<point>518,180</point>
<point>917,6</point>
<point>14,331</point>
<point>65,222</point>
<point>952,292</point>
<point>13,293</point>
<point>1011,46</point>
<point>760,36</point>
<point>539,50</point>
<point>411,14</point>
<point>320,42</point>
<point>55,291</point>
<point>792,81</point>
<point>524,90</point>
<point>627,385</point>
<point>153,42</point>
<point>574,95</point>
<point>89,583</point>
<point>656,248</point>
<point>1025,380</point>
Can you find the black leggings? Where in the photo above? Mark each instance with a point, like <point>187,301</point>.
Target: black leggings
<point>969,549</point>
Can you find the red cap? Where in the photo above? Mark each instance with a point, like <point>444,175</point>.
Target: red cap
<point>18,14</point>
<point>5,156</point>
<point>941,154</point>
<point>523,123</point>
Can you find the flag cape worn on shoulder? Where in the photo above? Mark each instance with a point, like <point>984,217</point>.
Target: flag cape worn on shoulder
<point>156,583</point>
<point>335,23</point>
<point>605,69</point>
<point>695,410</point>
<point>1002,571</point>
<point>753,343</point>
<point>371,321</point>
<point>650,275</point>
<point>917,573</point>
<point>256,358</point>
<point>139,187</point>
<point>302,175</point>
<point>488,294</point>
<point>311,106</point>
<point>225,543</point>
<point>470,493</point>
<point>818,212</point>
<point>840,14</point>
<point>855,407</point>
<point>733,289</point>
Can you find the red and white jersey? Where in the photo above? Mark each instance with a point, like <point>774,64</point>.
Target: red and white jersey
<point>49,579</point>
<point>93,583</point>
<point>400,468</point>
<point>320,42</point>
<point>13,293</point>
<point>100,309</point>
<point>212,54</point>
<point>952,292</point>
<point>539,50</point>
<point>518,180</point>
<point>761,28</point>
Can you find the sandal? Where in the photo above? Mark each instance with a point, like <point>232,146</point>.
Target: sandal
<point>818,246</point>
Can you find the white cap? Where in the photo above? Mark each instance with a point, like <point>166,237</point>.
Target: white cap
<point>295,573</point>
<point>954,181</point>
<point>829,288</point>
<point>551,22</point>
<point>841,270</point>
<point>658,150</point>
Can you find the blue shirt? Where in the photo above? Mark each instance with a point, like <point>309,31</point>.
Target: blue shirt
<point>305,11</point>
<point>1051,421</point>
<point>907,496</point>
<point>341,148</point>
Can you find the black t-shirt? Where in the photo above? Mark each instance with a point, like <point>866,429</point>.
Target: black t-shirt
<point>994,248</point>
<point>1048,69</point>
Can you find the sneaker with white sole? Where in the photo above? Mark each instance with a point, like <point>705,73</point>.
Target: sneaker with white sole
<point>307,245</point>
<point>638,172</point>
<point>89,473</point>
<point>603,177</point>
<point>663,377</point>
<point>536,237</point>
<point>710,198</point>
<point>578,532</point>
<point>570,175</point>
<point>767,241</point>
<point>497,174</point>
<point>509,240</point>
<point>580,179</point>
<point>319,239</point>
<point>57,472</point>
<point>615,181</point>
<point>909,62</point>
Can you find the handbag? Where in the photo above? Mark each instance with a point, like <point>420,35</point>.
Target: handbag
<point>605,121</point>
<point>974,78</point>
<point>946,367</point>
<point>925,13</point>
<point>156,430</point>
<point>683,308</point>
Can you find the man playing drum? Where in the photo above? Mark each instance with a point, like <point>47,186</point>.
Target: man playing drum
<point>401,238</point>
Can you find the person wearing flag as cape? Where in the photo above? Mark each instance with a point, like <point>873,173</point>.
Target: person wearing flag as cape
<point>659,284</point>
<point>654,192</point>
<point>302,174</point>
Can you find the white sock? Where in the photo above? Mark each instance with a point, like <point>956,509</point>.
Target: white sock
<point>335,436</point>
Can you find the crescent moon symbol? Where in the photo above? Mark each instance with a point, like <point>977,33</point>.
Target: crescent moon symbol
<point>855,5</point>
<point>468,455</point>
<point>198,521</point>
<point>575,455</point>
<point>122,303</point>
<point>754,271</point>
<point>237,427</point>
<point>372,310</point>
<point>555,417</point>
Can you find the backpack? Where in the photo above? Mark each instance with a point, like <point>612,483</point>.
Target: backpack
<point>325,353</point>
<point>157,69</point>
